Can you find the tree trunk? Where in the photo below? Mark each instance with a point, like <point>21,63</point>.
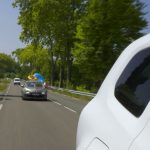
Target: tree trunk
<point>69,62</point>
<point>60,76</point>
<point>52,69</point>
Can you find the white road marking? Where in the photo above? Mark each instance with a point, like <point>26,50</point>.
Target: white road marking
<point>65,107</point>
<point>57,103</point>
<point>70,109</point>
<point>1,106</point>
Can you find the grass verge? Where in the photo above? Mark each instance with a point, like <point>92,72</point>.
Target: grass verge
<point>81,97</point>
<point>4,84</point>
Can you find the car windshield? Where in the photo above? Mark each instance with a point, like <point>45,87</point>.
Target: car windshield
<point>34,85</point>
<point>17,79</point>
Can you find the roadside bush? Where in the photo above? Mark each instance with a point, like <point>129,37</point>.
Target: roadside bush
<point>82,88</point>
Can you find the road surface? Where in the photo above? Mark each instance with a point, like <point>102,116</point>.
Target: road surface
<point>38,125</point>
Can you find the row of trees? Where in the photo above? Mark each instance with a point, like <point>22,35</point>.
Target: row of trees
<point>8,66</point>
<point>75,42</point>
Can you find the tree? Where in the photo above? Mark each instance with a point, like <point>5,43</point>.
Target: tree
<point>103,32</point>
<point>7,64</point>
<point>33,59</point>
<point>51,24</point>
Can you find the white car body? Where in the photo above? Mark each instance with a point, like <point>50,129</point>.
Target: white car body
<point>106,123</point>
<point>17,81</point>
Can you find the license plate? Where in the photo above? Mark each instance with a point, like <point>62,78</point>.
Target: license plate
<point>35,94</point>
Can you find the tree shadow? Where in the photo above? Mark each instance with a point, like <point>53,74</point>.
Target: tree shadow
<point>37,100</point>
<point>8,97</point>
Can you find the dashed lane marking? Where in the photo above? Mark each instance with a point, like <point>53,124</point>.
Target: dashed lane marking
<point>1,106</point>
<point>64,106</point>
<point>57,103</point>
<point>70,109</point>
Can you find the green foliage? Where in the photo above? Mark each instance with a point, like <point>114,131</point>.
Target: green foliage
<point>74,43</point>
<point>4,84</point>
<point>33,59</point>
<point>103,32</point>
<point>82,88</point>
<point>51,24</point>
<point>7,64</point>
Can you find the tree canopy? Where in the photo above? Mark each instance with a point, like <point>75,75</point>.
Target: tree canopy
<point>33,59</point>
<point>7,65</point>
<point>103,32</point>
<point>75,42</point>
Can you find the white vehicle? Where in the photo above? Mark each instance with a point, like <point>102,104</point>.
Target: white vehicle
<point>118,118</point>
<point>17,81</point>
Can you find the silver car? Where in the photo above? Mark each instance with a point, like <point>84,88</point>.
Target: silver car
<point>34,90</point>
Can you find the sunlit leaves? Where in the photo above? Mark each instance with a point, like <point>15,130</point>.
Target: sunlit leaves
<point>103,32</point>
<point>34,57</point>
<point>7,64</point>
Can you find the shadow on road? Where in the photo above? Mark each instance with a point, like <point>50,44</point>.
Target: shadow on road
<point>3,95</point>
<point>1,98</point>
<point>38,100</point>
<point>8,97</point>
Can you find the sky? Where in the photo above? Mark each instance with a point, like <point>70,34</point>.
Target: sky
<point>10,30</point>
<point>147,16</point>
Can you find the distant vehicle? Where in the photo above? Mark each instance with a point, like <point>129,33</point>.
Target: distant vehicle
<point>118,118</point>
<point>34,90</point>
<point>16,81</point>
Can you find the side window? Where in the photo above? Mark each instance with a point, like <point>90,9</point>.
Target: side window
<point>133,87</point>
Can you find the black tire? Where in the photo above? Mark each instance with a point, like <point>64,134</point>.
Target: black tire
<point>45,98</point>
<point>23,98</point>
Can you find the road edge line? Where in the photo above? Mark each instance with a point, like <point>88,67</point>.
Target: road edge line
<point>70,109</point>
<point>57,103</point>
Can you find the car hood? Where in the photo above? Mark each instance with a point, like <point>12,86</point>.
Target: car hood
<point>34,89</point>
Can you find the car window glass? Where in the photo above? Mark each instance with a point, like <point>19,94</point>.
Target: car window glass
<point>17,80</point>
<point>132,88</point>
<point>30,84</point>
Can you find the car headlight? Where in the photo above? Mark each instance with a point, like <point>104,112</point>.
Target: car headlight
<point>43,93</point>
<point>27,92</point>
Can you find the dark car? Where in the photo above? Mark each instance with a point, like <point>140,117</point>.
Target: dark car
<point>34,90</point>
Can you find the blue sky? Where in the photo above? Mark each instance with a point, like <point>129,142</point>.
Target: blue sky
<point>9,30</point>
<point>147,16</point>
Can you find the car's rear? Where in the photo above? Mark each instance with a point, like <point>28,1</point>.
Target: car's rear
<point>16,81</point>
<point>34,90</point>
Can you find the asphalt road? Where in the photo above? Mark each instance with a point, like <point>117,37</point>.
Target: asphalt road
<point>38,125</point>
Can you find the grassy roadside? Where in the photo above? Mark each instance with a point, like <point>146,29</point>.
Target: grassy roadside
<point>4,84</point>
<point>80,97</point>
